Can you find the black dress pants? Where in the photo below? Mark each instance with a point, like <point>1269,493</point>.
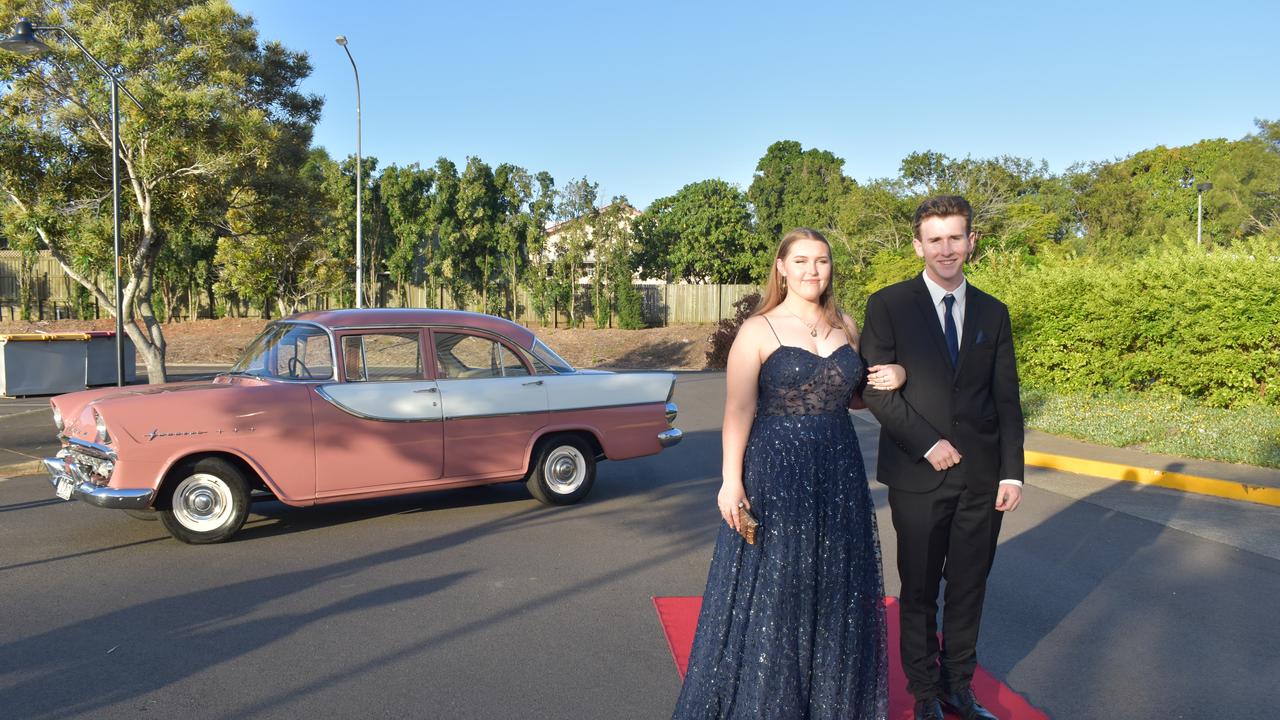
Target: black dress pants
<point>949,532</point>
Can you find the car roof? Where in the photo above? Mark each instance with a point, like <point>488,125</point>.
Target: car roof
<point>381,317</point>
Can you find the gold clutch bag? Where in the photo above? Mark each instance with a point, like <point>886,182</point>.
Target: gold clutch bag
<point>748,525</point>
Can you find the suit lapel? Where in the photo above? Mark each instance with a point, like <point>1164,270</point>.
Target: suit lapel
<point>973,307</point>
<point>929,318</point>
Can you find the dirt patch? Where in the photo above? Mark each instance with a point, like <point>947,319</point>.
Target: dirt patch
<point>216,342</point>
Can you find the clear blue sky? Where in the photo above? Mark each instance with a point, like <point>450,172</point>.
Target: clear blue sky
<point>646,97</point>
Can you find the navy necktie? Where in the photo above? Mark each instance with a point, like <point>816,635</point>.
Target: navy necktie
<point>949,325</point>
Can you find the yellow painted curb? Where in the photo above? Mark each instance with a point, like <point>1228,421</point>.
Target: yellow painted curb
<point>1145,476</point>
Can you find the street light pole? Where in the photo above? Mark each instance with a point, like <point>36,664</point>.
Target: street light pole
<point>342,40</point>
<point>24,42</point>
<point>1201,188</point>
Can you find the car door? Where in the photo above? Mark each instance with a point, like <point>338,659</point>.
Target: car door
<point>379,428</point>
<point>493,404</point>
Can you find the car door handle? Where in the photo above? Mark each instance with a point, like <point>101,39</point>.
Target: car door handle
<point>532,382</point>
<point>427,390</point>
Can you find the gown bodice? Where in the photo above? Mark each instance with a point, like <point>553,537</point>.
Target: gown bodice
<point>795,381</point>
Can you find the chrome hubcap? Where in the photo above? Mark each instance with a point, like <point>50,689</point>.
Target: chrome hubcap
<point>565,469</point>
<point>202,502</point>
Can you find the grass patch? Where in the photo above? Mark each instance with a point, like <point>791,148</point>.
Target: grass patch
<point>1159,423</point>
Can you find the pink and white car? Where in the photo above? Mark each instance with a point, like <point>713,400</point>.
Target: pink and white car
<point>345,404</point>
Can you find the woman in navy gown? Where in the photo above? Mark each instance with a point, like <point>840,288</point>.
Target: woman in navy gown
<point>793,626</point>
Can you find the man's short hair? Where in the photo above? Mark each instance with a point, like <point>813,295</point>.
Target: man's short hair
<point>943,206</point>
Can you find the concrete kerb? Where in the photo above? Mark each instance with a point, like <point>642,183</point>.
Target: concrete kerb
<point>14,470</point>
<point>1245,492</point>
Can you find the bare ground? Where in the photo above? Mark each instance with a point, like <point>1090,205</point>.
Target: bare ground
<point>216,342</point>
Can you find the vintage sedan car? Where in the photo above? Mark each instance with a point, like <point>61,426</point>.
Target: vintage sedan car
<point>345,404</point>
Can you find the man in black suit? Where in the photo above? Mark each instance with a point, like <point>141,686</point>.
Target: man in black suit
<point>950,449</point>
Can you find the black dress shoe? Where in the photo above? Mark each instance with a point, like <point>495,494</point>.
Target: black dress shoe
<point>964,704</point>
<point>928,709</point>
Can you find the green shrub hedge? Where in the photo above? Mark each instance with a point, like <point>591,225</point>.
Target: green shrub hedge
<point>1204,325</point>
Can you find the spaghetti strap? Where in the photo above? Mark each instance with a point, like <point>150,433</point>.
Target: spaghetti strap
<point>775,332</point>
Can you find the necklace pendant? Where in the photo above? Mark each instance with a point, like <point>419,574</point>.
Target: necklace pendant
<point>813,332</point>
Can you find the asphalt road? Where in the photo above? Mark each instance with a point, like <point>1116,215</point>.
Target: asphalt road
<point>1107,600</point>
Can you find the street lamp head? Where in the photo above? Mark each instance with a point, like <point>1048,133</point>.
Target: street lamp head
<point>341,40</point>
<point>24,40</point>
<point>1204,187</point>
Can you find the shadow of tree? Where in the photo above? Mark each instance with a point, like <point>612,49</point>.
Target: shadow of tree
<point>657,356</point>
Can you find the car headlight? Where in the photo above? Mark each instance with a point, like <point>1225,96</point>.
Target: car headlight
<point>57,417</point>
<point>103,436</point>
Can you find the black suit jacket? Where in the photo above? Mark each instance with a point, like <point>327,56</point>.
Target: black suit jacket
<point>976,406</point>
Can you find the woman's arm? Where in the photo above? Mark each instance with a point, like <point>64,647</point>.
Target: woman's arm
<point>741,379</point>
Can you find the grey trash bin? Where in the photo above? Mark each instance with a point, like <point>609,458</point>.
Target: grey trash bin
<point>102,359</point>
<point>40,364</point>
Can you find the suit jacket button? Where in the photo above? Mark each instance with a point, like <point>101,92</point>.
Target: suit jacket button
<point>955,423</point>
<point>955,389</point>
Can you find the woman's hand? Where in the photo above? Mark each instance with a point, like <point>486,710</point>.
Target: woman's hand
<point>886,377</point>
<point>731,498</point>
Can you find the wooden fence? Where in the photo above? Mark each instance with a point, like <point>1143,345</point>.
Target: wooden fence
<point>53,297</point>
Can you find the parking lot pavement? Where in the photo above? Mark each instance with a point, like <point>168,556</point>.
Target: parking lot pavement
<point>1108,599</point>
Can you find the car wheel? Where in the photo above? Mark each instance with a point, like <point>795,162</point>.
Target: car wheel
<point>564,471</point>
<point>208,503</point>
<point>142,514</point>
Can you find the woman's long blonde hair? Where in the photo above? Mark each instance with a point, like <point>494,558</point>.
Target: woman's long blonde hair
<point>775,291</point>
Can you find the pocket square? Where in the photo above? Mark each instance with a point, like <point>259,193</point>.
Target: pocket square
<point>980,338</point>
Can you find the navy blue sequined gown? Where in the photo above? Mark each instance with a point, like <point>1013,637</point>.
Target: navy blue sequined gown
<point>794,626</point>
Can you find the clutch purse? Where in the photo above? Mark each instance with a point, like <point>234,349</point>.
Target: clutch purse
<point>747,525</point>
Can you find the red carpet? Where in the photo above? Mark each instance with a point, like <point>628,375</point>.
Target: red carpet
<point>679,618</point>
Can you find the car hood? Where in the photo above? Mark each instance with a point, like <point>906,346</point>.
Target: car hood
<point>78,408</point>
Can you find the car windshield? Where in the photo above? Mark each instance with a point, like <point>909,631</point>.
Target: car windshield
<point>288,351</point>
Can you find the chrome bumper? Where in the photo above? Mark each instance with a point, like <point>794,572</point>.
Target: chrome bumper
<point>82,489</point>
<point>667,438</point>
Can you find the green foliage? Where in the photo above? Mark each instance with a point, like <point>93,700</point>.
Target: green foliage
<point>1159,422</point>
<point>1204,325</point>
<point>277,250</point>
<point>793,187</point>
<point>406,193</point>
<point>854,283</point>
<point>703,233</point>
<point>630,306</point>
<point>220,110</point>
<point>727,330</point>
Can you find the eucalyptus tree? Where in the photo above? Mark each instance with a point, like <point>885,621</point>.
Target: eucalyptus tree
<point>478,201</point>
<point>516,226</point>
<point>613,240</point>
<point>542,208</point>
<point>406,192</point>
<point>217,100</point>
<point>444,228</point>
<point>273,248</point>
<point>577,211</point>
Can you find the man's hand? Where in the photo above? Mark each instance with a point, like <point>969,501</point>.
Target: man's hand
<point>943,455</point>
<point>1008,497</point>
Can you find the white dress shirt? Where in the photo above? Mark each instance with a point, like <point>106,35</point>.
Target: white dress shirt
<point>938,294</point>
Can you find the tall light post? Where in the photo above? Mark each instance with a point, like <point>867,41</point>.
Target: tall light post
<point>24,42</point>
<point>342,40</point>
<point>1201,189</point>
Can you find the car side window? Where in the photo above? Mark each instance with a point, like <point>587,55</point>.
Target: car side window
<point>379,357</point>
<point>470,356</point>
